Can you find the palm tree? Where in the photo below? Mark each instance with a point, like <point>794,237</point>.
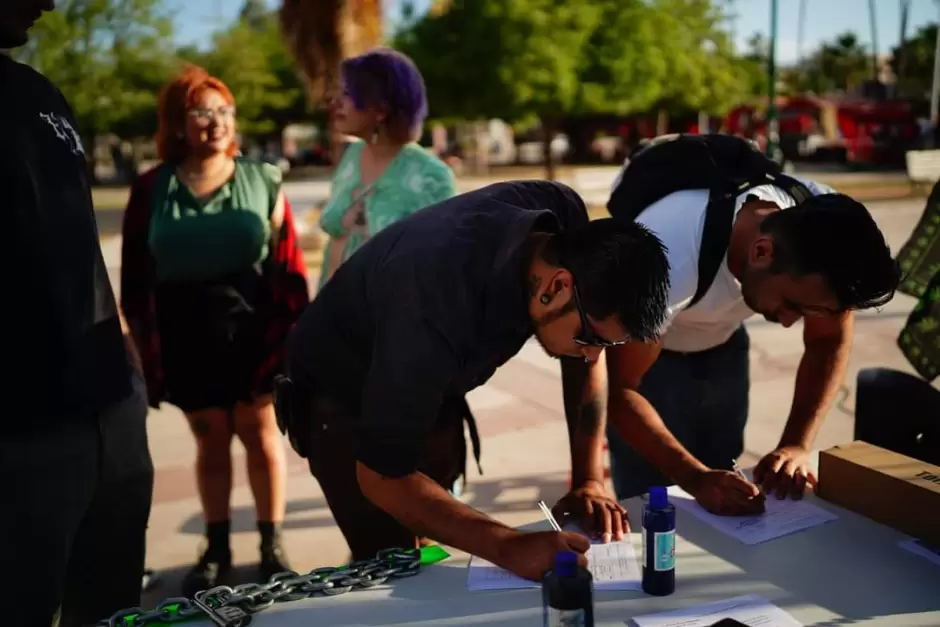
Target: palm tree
<point>321,33</point>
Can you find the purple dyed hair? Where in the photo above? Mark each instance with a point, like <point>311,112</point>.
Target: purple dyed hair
<point>389,80</point>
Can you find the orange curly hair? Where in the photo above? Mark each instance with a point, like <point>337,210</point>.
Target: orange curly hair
<point>176,98</point>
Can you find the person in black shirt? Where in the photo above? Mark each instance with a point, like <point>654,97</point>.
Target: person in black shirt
<point>74,460</point>
<point>425,312</point>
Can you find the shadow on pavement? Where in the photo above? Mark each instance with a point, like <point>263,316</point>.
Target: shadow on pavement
<point>494,497</point>
<point>243,519</point>
<point>170,580</point>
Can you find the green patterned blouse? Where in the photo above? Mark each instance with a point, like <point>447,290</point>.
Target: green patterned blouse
<point>413,180</point>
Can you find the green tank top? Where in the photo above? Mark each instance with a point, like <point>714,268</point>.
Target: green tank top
<point>198,241</point>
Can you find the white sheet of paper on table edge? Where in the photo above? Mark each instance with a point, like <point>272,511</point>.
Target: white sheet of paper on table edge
<point>921,549</point>
<point>683,500</point>
<point>709,613</point>
<point>507,581</point>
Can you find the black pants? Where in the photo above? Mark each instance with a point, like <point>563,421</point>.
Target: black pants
<point>74,518</point>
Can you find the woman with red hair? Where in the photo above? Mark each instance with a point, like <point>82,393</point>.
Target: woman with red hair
<point>212,279</point>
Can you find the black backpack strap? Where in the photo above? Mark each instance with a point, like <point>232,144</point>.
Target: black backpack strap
<point>719,221</point>
<point>791,186</point>
<point>716,236</point>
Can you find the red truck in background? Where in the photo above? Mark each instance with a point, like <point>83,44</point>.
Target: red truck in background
<point>857,131</point>
<point>877,133</point>
<point>863,129</point>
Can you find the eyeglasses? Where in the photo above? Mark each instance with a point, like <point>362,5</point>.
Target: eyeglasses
<point>206,116</point>
<point>587,336</point>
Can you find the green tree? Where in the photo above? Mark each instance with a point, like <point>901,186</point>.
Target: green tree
<point>252,60</point>
<point>255,14</point>
<point>536,59</point>
<point>918,54</point>
<point>621,69</point>
<point>839,65</point>
<point>753,66</point>
<point>293,105</point>
<point>108,57</point>
<point>704,73</point>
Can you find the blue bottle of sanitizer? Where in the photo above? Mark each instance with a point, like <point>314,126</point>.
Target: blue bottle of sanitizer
<point>659,544</point>
<point>568,594</point>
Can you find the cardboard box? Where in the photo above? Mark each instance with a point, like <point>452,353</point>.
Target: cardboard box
<point>887,487</point>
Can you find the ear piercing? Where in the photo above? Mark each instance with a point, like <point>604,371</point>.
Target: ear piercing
<point>544,298</point>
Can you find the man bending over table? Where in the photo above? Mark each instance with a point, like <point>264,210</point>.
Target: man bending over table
<point>790,251</point>
<point>425,312</point>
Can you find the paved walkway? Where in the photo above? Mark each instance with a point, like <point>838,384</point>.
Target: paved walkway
<point>525,455</point>
<point>594,184</point>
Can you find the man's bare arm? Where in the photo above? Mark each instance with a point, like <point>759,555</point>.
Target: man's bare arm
<point>828,343</point>
<point>583,391</point>
<point>426,508</point>
<point>637,421</point>
<point>786,470</point>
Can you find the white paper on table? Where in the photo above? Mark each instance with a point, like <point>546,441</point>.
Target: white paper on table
<point>781,518</point>
<point>749,609</point>
<point>919,547</point>
<point>613,566</point>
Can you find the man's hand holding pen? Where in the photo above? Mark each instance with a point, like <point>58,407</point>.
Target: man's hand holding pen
<point>726,492</point>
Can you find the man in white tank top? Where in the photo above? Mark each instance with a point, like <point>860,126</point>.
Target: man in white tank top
<point>677,408</point>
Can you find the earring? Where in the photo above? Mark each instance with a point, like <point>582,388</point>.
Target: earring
<point>375,135</point>
<point>544,298</point>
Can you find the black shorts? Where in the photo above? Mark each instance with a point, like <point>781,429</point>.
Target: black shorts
<point>212,340</point>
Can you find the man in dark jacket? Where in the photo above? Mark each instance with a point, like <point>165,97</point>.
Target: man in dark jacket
<point>425,312</point>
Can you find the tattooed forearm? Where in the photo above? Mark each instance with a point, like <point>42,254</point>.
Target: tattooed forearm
<point>583,386</point>
<point>588,416</point>
<point>584,397</point>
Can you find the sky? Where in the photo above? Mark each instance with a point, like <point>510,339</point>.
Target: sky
<point>824,19</point>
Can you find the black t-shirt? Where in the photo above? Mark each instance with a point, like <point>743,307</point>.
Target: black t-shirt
<point>426,310</point>
<point>61,335</point>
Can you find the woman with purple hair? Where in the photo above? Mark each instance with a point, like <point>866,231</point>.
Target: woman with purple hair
<point>386,176</point>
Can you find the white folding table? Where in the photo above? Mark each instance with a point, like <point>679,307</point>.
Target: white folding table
<point>849,572</point>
